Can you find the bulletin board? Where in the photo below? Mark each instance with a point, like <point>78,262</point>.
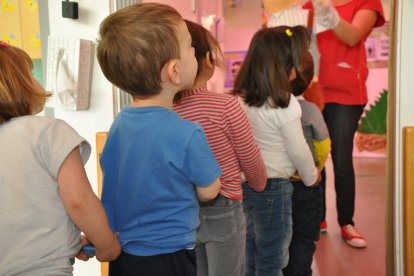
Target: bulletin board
<point>29,15</point>
<point>10,30</point>
<point>19,21</point>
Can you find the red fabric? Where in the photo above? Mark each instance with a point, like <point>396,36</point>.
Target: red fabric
<point>314,94</point>
<point>343,69</point>
<point>230,137</point>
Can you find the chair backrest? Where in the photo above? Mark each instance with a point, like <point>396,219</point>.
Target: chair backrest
<point>408,200</point>
<point>100,143</point>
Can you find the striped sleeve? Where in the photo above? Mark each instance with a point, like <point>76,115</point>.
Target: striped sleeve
<point>244,145</point>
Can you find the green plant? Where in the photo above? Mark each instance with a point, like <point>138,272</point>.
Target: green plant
<point>374,121</point>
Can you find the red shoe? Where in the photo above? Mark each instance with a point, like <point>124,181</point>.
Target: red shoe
<point>352,237</point>
<point>324,227</point>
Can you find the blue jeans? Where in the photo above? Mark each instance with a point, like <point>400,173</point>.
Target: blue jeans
<point>307,213</point>
<point>221,239</point>
<point>269,227</point>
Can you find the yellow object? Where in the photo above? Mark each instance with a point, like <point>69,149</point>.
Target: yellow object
<point>408,199</point>
<point>100,143</point>
<point>34,41</point>
<point>19,25</point>
<point>9,40</point>
<point>322,150</point>
<point>32,5</point>
<point>7,5</point>
<point>288,32</point>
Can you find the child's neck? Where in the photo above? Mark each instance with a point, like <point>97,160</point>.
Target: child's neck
<point>199,83</point>
<point>272,6</point>
<point>162,99</point>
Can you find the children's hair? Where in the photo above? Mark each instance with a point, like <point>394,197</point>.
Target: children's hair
<point>264,75</point>
<point>303,80</point>
<point>135,43</point>
<point>19,95</point>
<point>203,43</point>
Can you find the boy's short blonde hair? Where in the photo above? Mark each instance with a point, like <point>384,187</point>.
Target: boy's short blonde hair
<point>18,93</point>
<point>135,43</point>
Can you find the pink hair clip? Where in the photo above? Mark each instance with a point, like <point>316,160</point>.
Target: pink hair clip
<point>4,44</point>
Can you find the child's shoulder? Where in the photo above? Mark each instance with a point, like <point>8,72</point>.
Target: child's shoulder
<point>308,107</point>
<point>35,123</point>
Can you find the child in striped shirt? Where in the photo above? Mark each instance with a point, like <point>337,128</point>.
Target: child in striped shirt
<point>221,235</point>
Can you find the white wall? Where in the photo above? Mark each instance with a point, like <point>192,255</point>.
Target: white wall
<point>404,107</point>
<point>99,116</point>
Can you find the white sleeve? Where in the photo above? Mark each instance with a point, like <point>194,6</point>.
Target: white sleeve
<point>298,151</point>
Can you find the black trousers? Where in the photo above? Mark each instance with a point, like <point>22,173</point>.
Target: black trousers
<point>180,263</point>
<point>306,217</point>
<point>342,122</point>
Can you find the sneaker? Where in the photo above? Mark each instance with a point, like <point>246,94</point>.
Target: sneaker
<point>352,237</point>
<point>323,227</point>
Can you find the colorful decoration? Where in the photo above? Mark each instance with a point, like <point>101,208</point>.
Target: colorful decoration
<point>7,5</point>
<point>372,129</point>
<point>9,39</point>
<point>32,5</point>
<point>34,40</point>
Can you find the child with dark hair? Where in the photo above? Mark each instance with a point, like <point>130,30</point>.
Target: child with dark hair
<point>221,237</point>
<point>45,198</point>
<point>307,202</point>
<point>274,59</point>
<point>155,164</point>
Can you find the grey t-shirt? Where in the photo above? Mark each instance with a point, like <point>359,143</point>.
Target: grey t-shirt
<point>313,124</point>
<point>37,235</point>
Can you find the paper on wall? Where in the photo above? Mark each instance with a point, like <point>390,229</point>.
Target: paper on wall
<point>68,73</point>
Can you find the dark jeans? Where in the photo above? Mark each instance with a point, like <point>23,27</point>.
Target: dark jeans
<point>342,122</point>
<point>269,227</point>
<point>306,217</point>
<point>180,263</point>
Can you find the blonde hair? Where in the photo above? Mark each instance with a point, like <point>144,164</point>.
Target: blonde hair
<point>135,43</point>
<point>19,95</point>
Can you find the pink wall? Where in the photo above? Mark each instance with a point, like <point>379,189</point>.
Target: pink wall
<point>183,6</point>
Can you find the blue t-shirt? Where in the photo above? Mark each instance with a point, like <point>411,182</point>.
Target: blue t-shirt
<point>151,163</point>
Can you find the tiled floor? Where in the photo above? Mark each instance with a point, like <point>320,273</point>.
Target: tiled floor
<point>333,256</point>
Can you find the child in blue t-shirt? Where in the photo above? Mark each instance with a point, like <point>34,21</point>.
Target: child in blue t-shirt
<point>156,166</point>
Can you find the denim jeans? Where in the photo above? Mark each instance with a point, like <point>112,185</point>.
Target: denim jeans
<point>306,217</point>
<point>269,227</point>
<point>221,239</point>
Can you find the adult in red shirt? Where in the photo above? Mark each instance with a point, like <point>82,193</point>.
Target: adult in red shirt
<point>343,75</point>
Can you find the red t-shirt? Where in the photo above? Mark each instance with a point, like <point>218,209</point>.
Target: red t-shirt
<point>343,69</point>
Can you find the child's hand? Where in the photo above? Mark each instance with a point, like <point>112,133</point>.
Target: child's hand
<point>318,180</point>
<point>81,255</point>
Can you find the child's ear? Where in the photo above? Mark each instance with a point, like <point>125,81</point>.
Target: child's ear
<point>172,71</point>
<point>208,60</point>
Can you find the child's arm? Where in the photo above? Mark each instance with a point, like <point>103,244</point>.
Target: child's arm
<point>299,153</point>
<point>209,192</point>
<point>84,207</point>
<point>245,147</point>
<point>322,150</point>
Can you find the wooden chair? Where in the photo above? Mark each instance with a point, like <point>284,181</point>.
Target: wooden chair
<point>100,142</point>
<point>408,199</point>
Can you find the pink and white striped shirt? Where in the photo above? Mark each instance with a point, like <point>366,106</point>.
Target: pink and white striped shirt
<point>230,137</point>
